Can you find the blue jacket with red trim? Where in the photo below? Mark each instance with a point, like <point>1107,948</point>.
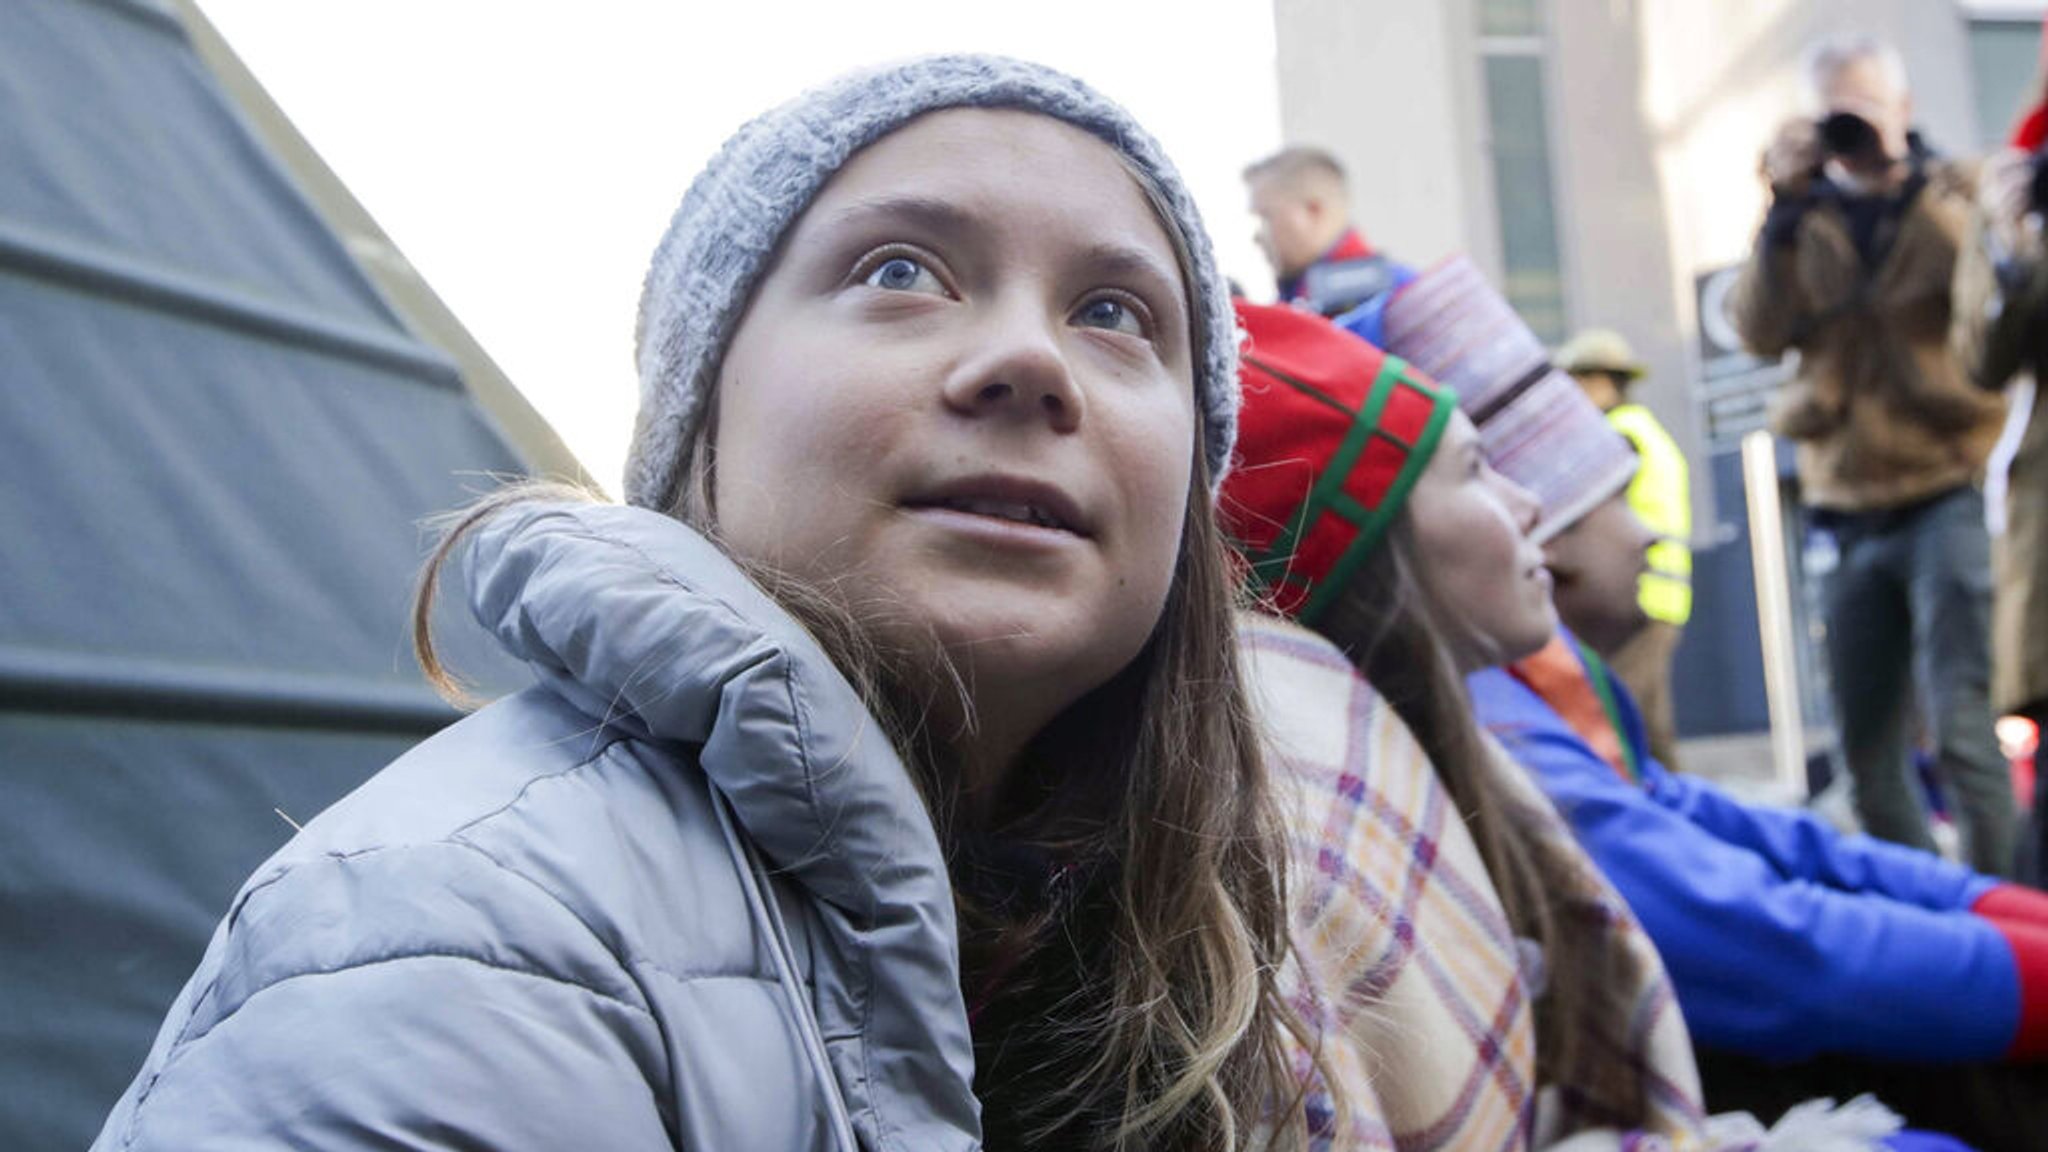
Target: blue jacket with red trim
<point>1358,285</point>
<point>1784,938</point>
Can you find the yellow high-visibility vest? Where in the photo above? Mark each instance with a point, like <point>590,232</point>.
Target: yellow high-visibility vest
<point>1661,495</point>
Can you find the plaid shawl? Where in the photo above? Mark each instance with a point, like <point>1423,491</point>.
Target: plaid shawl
<point>1405,965</point>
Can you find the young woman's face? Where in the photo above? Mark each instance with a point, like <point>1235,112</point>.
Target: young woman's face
<point>1471,530</point>
<point>964,392</point>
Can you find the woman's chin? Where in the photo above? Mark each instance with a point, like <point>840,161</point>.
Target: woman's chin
<point>1006,650</point>
<point>1530,639</point>
<point>1017,632</point>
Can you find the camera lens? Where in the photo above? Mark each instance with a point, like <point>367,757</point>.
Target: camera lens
<point>1847,134</point>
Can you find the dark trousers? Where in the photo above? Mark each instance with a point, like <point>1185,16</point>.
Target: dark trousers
<point>1992,1107</point>
<point>1911,600</point>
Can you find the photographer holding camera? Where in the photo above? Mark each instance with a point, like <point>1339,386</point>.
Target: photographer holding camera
<point>2000,338</point>
<point>1854,270</point>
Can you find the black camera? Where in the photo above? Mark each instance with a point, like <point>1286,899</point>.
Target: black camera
<point>1851,137</point>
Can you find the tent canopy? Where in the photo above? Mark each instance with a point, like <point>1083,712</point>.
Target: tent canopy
<point>218,446</point>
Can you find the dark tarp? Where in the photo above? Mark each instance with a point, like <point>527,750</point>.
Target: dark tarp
<point>216,448</point>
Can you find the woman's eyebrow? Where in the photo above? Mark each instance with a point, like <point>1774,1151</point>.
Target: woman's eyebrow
<point>1114,261</point>
<point>934,215</point>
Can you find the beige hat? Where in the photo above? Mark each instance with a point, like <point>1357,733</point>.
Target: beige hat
<point>1600,350</point>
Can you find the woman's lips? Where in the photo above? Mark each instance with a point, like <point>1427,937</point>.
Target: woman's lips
<point>1020,513</point>
<point>994,530</point>
<point>1014,501</point>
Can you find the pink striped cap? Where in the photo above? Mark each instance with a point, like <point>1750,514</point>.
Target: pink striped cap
<point>1535,424</point>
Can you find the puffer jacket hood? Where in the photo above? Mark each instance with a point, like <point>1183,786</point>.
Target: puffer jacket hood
<point>638,620</point>
<point>759,949</point>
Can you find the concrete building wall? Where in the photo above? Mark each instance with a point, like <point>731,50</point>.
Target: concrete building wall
<point>1392,89</point>
<point>1613,212</point>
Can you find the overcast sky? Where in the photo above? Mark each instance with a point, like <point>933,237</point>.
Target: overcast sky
<point>526,156</point>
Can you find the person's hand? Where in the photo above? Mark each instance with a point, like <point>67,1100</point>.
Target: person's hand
<point>1793,154</point>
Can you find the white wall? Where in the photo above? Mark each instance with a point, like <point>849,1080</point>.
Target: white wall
<point>1391,88</point>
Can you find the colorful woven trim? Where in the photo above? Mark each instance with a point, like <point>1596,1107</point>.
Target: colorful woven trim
<point>1271,569</point>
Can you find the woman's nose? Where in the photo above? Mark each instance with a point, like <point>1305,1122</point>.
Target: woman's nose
<point>1521,502</point>
<point>1019,368</point>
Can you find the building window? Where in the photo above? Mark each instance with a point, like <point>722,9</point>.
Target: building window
<point>2004,66</point>
<point>1509,18</point>
<point>1518,144</point>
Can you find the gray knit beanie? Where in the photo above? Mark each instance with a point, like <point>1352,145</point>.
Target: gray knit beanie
<point>737,210</point>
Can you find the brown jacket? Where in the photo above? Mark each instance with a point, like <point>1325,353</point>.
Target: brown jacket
<point>1881,413</point>
<point>1992,350</point>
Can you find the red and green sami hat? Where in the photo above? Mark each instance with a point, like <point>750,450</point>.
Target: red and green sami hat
<point>1332,436</point>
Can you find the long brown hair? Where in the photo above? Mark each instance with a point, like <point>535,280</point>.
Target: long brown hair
<point>1392,625</point>
<point>1172,1033</point>
<point>1140,1008</point>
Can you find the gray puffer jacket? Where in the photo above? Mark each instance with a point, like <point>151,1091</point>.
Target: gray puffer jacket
<point>680,894</point>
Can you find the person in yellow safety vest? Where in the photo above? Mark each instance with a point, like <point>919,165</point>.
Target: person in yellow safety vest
<point>1661,496</point>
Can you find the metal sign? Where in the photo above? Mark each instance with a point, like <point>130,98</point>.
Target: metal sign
<point>1735,386</point>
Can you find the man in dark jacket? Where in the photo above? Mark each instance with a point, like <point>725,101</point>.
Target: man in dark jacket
<point>1320,262</point>
<point>1853,270</point>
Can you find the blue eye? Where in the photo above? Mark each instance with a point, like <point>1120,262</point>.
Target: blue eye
<point>1113,314</point>
<point>903,274</point>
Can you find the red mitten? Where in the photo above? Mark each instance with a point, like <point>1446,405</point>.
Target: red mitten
<point>2013,903</point>
<point>2029,944</point>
